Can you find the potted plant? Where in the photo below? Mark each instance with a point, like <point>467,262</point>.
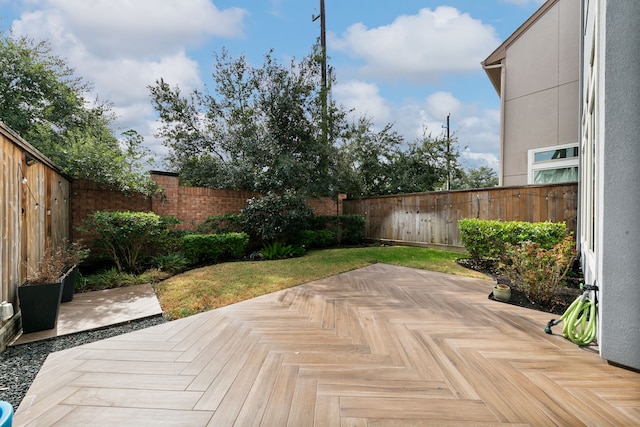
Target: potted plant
<point>502,293</point>
<point>40,294</point>
<point>73,256</point>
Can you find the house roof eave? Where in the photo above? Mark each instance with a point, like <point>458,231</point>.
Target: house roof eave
<point>497,57</point>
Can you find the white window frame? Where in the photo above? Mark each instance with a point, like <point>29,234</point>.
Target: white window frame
<point>533,167</point>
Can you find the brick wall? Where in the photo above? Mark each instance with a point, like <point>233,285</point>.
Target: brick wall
<point>192,205</point>
<point>327,206</point>
<point>88,196</point>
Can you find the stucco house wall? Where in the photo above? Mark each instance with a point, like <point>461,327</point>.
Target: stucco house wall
<point>536,73</point>
<point>610,172</point>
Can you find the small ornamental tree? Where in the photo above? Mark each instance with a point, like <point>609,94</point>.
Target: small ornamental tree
<point>126,237</point>
<point>276,217</point>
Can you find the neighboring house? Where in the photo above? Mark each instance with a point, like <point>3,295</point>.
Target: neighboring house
<point>536,74</point>
<point>609,209</point>
<point>569,84</point>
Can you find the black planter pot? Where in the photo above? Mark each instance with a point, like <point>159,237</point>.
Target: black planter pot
<point>39,304</point>
<point>69,284</point>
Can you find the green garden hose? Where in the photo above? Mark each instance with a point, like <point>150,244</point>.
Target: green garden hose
<point>580,319</point>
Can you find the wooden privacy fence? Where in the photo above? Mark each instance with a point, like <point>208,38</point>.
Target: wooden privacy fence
<point>431,219</point>
<point>34,215</point>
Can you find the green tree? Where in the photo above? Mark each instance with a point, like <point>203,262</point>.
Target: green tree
<point>44,102</point>
<point>425,165</point>
<point>378,163</point>
<point>366,159</point>
<point>259,130</point>
<point>482,177</point>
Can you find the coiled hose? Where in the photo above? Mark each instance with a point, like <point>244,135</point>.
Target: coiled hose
<point>580,319</point>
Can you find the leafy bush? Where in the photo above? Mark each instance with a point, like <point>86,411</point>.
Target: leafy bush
<point>538,271</point>
<point>127,237</point>
<point>172,263</point>
<point>486,239</point>
<point>278,250</point>
<point>220,224</point>
<point>352,229</point>
<point>347,229</point>
<point>276,217</point>
<point>109,279</point>
<point>205,248</point>
<point>315,238</point>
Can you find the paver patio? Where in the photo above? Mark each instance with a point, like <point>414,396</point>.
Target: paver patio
<point>97,309</point>
<point>381,346</point>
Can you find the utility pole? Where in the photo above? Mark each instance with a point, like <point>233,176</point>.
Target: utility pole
<point>323,58</point>
<point>448,155</point>
<point>323,43</point>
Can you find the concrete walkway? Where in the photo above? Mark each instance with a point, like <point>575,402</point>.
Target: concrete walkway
<point>97,309</point>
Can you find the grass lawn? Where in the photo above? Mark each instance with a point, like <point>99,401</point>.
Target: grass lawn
<point>218,285</point>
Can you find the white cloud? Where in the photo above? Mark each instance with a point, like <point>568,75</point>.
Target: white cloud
<point>441,104</point>
<point>123,46</point>
<point>147,28</point>
<point>476,129</point>
<point>363,98</point>
<point>419,47</point>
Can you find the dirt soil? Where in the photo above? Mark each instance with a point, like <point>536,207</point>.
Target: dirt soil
<point>567,295</point>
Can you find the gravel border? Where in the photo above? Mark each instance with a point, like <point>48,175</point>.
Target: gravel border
<point>20,364</point>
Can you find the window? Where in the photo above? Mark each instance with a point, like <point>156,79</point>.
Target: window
<point>550,165</point>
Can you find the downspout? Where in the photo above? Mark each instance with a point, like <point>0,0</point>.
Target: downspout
<point>503,72</point>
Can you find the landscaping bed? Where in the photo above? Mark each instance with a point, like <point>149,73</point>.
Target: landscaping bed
<point>565,297</point>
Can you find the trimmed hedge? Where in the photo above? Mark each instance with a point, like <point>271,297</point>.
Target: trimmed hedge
<point>206,248</point>
<point>315,238</point>
<point>348,229</point>
<point>352,229</point>
<point>486,239</point>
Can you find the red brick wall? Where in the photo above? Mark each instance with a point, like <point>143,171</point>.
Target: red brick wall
<point>192,205</point>
<point>88,196</point>
<point>327,206</point>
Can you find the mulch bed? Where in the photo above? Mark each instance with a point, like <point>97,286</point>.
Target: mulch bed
<point>566,296</point>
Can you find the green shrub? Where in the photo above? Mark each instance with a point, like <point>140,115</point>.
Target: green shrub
<point>112,278</point>
<point>276,217</point>
<point>348,229</point>
<point>220,224</point>
<point>172,263</point>
<point>538,271</point>
<point>206,248</point>
<point>325,222</point>
<point>109,279</point>
<point>352,229</point>
<point>315,238</point>
<point>486,239</point>
<point>276,250</point>
<point>127,237</point>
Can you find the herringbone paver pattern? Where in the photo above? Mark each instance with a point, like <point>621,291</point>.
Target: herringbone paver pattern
<point>380,346</point>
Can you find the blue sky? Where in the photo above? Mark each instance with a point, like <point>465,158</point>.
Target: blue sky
<point>407,62</point>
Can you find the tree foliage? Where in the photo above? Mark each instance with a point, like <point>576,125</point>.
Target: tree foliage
<point>380,162</point>
<point>257,131</point>
<point>482,177</point>
<point>44,102</point>
<point>127,237</point>
<point>265,129</point>
<point>276,217</point>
